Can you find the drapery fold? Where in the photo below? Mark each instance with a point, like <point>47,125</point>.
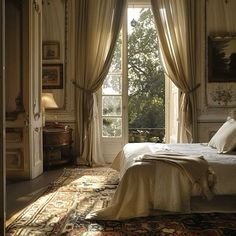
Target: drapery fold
<point>98,25</point>
<point>176,26</point>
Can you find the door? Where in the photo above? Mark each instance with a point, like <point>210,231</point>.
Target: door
<point>2,120</point>
<point>35,88</point>
<point>23,89</point>
<point>113,103</point>
<point>172,111</point>
<point>138,84</point>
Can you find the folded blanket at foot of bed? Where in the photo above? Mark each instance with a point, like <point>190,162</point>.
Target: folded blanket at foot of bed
<point>195,167</point>
<point>162,181</point>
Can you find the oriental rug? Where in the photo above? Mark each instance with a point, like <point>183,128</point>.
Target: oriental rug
<point>63,207</point>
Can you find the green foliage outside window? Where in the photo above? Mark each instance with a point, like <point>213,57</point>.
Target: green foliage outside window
<point>146,104</point>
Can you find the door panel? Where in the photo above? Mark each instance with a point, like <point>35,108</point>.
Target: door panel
<point>2,119</point>
<point>112,116</point>
<point>172,111</point>
<point>24,130</point>
<point>113,103</point>
<point>35,125</point>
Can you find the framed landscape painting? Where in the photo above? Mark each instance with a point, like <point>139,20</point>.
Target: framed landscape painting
<point>52,76</point>
<point>222,59</point>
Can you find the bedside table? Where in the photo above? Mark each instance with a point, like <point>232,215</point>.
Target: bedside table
<point>57,142</point>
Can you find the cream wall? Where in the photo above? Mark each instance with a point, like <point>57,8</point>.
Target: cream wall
<point>211,20</point>
<point>210,118</point>
<point>64,97</point>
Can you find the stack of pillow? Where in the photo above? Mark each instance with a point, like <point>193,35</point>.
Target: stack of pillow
<point>225,138</point>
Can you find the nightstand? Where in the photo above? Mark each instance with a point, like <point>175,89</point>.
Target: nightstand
<point>57,142</point>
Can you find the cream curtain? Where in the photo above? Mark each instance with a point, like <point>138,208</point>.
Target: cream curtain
<point>175,21</point>
<point>98,25</point>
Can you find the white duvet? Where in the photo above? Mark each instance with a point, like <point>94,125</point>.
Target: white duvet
<point>145,186</point>
<point>224,165</point>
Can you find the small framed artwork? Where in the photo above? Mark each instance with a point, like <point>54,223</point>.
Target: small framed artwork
<point>52,76</point>
<point>51,50</point>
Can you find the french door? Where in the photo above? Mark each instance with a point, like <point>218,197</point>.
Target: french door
<point>2,120</point>
<point>137,51</point>
<point>112,102</point>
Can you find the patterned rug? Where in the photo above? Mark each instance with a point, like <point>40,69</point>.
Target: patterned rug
<point>63,207</point>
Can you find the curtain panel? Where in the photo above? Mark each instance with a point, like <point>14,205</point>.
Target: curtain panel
<point>176,26</point>
<point>98,25</point>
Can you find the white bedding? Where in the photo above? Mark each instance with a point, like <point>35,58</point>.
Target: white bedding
<point>224,165</point>
<point>146,186</point>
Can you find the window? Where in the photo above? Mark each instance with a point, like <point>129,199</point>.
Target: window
<point>112,96</point>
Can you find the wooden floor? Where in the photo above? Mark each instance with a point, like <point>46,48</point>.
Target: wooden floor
<point>20,194</point>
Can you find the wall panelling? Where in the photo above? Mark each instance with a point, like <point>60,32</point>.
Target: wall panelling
<point>215,17</point>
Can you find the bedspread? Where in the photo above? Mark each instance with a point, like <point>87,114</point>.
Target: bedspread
<point>145,186</point>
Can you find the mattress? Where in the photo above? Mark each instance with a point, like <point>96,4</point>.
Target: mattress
<point>148,186</point>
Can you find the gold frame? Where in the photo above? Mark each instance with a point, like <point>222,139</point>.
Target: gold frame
<point>52,76</point>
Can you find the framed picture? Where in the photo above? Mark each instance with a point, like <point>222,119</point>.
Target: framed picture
<point>51,50</point>
<point>52,76</point>
<point>222,59</point>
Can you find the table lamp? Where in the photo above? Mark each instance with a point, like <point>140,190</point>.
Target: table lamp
<point>47,101</point>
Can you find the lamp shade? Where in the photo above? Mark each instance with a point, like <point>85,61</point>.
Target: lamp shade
<point>48,101</point>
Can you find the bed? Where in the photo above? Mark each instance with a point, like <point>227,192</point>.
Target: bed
<point>155,186</point>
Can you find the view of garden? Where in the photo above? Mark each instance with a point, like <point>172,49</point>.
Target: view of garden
<point>146,89</point>
<point>146,83</point>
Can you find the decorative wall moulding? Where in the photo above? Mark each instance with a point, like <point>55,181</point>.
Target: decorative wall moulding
<point>14,159</point>
<point>36,6</point>
<point>226,1</point>
<point>221,95</point>
<point>14,135</point>
<point>57,35</point>
<point>14,58</point>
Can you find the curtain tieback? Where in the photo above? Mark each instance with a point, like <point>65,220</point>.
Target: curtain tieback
<point>81,88</point>
<point>194,89</point>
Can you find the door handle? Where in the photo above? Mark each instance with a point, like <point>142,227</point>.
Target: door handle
<point>36,114</point>
<point>37,129</point>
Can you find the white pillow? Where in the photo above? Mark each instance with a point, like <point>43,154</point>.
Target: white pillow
<point>225,138</point>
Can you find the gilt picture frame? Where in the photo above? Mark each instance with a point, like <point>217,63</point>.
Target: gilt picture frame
<point>52,76</point>
<point>221,59</point>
